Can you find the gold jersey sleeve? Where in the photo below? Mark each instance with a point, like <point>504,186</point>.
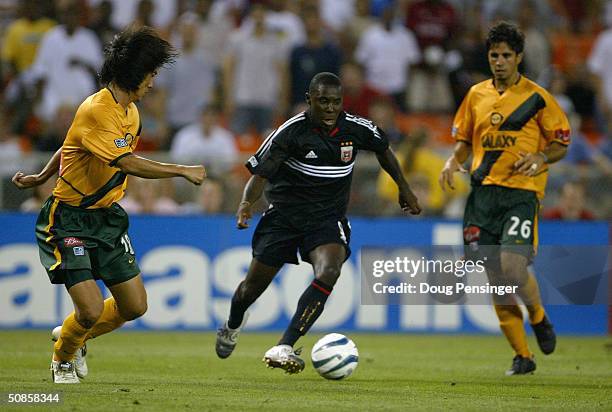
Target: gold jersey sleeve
<point>502,127</point>
<point>102,132</point>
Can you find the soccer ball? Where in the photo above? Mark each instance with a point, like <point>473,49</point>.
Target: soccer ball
<point>334,356</point>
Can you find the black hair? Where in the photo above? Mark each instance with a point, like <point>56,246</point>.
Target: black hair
<point>324,79</point>
<point>132,55</point>
<point>508,33</point>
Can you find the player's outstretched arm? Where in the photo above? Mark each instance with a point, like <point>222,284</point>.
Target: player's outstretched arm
<point>24,181</point>
<point>150,169</point>
<point>251,194</point>
<point>454,164</point>
<point>407,200</point>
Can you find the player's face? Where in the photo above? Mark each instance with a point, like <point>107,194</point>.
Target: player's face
<point>144,87</point>
<point>325,105</point>
<point>503,61</point>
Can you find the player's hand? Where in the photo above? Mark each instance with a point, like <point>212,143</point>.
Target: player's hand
<point>446,175</point>
<point>243,214</point>
<point>529,164</point>
<point>23,181</point>
<point>195,174</point>
<point>408,201</point>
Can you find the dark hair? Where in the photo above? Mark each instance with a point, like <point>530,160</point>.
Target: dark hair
<point>132,55</point>
<point>508,33</point>
<point>325,79</point>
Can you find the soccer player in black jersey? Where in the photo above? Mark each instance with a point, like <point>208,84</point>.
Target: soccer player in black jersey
<point>306,168</point>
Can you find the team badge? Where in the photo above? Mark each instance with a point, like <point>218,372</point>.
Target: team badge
<point>496,118</point>
<point>78,251</point>
<point>346,151</point>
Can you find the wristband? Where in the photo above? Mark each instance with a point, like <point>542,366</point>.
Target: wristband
<point>544,157</point>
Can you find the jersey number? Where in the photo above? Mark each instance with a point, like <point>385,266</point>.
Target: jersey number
<point>125,240</point>
<point>525,228</point>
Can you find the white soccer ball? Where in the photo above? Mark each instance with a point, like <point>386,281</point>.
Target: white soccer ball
<point>334,356</point>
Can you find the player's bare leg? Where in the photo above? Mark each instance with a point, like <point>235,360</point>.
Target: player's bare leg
<point>327,262</point>
<point>257,280</point>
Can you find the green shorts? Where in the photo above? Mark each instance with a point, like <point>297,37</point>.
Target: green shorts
<point>77,244</point>
<point>501,218</point>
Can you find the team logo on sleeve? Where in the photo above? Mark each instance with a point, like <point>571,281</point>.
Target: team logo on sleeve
<point>121,143</point>
<point>496,118</point>
<point>346,151</point>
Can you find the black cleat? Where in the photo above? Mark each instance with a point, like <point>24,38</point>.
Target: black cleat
<point>521,366</point>
<point>545,334</point>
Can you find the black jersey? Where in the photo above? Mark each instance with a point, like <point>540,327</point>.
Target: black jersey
<point>309,170</point>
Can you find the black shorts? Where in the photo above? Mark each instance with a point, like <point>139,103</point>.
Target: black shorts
<point>276,241</point>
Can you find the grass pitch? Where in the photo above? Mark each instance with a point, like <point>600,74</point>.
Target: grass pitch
<point>138,371</point>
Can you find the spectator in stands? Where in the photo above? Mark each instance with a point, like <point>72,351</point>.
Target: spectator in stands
<point>337,13</point>
<point>382,113</point>
<point>39,195</point>
<point>282,21</point>
<point>434,24</point>
<point>537,55</point>
<point>254,74</point>
<point>54,133</point>
<point>158,13</point>
<point>315,56</point>
<point>149,196</point>
<point>600,64</point>
<point>101,22</point>
<point>387,50</point>
<point>213,32</point>
<point>356,26</point>
<point>208,200</point>
<point>189,84</point>
<point>357,93</point>
<point>66,63</point>
<point>422,165</point>
<point>206,142</point>
<point>22,39</point>
<point>571,205</point>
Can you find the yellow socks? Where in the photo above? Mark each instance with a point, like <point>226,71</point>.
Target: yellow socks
<point>109,320</point>
<point>70,340</point>
<point>74,335</point>
<point>530,295</point>
<point>511,323</point>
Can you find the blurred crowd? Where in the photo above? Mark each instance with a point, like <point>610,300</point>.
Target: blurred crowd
<point>244,66</point>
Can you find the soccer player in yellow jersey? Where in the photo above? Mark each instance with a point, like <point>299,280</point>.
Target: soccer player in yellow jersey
<point>514,129</point>
<point>81,230</point>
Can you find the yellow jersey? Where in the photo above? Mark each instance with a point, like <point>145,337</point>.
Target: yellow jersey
<point>22,40</point>
<point>525,118</point>
<point>102,132</point>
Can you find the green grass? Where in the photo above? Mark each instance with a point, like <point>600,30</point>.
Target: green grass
<point>179,371</point>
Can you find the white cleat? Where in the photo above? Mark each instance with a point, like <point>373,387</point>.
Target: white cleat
<point>227,338</point>
<point>284,357</point>
<point>64,372</point>
<point>80,363</point>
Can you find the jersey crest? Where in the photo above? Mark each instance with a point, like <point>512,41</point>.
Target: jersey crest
<point>346,151</point>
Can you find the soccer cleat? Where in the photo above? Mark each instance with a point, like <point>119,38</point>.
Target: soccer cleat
<point>283,356</point>
<point>545,334</point>
<point>64,372</point>
<point>80,363</point>
<point>227,338</point>
<point>521,366</point>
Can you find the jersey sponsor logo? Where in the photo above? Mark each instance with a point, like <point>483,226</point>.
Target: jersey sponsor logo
<point>499,141</point>
<point>121,143</point>
<point>253,161</point>
<point>312,155</point>
<point>72,241</point>
<point>496,118</point>
<point>78,251</point>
